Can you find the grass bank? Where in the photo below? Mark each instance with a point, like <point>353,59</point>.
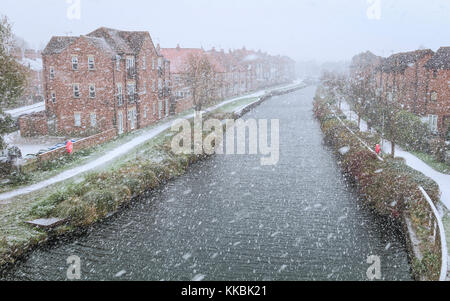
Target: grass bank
<point>389,186</point>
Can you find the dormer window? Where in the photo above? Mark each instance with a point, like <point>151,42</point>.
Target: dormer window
<point>74,63</point>
<point>91,63</point>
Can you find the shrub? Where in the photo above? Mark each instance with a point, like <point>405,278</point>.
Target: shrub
<point>411,132</point>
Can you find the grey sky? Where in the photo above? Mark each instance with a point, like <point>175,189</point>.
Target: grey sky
<point>302,29</point>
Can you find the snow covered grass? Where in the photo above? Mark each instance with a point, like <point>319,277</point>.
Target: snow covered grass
<point>389,186</point>
<point>431,161</point>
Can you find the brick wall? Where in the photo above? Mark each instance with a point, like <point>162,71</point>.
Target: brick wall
<point>441,106</point>
<point>80,145</point>
<point>33,125</point>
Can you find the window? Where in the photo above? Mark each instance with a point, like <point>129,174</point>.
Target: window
<point>132,118</point>
<point>144,63</point>
<point>435,74</point>
<point>52,73</point>
<point>154,86</point>
<point>118,62</point>
<point>75,63</point>
<point>77,117</point>
<point>144,89</point>
<point>160,84</point>
<point>145,112</point>
<point>53,97</point>
<point>434,96</point>
<point>153,63</point>
<point>92,91</point>
<point>159,62</point>
<point>91,63</point>
<point>154,109</point>
<point>433,122</point>
<point>119,94</point>
<point>76,90</point>
<point>130,63</point>
<point>131,89</point>
<point>93,120</point>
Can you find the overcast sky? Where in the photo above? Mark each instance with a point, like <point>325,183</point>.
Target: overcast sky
<point>303,29</point>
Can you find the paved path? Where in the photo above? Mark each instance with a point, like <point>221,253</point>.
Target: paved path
<point>120,150</point>
<point>443,180</point>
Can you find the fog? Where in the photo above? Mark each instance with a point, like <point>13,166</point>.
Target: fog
<point>325,30</point>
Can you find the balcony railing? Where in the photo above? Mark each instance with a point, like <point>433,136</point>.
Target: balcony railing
<point>119,99</point>
<point>132,97</point>
<point>160,72</point>
<point>131,72</point>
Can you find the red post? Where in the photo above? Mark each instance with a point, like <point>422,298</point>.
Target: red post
<point>378,149</point>
<point>69,147</point>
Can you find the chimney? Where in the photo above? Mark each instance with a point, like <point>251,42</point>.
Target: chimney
<point>158,47</point>
<point>178,46</point>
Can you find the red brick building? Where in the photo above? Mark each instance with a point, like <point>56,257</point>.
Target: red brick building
<point>178,58</point>
<point>419,81</point>
<point>403,77</point>
<point>437,102</point>
<point>103,80</point>
<point>238,72</point>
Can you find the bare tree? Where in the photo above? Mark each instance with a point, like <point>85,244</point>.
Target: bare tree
<point>200,77</point>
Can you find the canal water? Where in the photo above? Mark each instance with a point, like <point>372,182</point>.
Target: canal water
<point>229,218</point>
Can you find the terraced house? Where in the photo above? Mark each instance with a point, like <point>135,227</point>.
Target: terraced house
<point>105,80</point>
<point>238,72</point>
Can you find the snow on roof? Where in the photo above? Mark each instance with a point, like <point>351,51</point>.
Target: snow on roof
<point>107,39</point>
<point>401,61</point>
<point>58,44</point>
<point>441,60</point>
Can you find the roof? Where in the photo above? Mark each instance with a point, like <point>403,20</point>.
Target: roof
<point>441,60</point>
<point>178,57</point>
<point>399,62</point>
<point>122,41</point>
<point>107,39</point>
<point>365,59</point>
<point>58,44</point>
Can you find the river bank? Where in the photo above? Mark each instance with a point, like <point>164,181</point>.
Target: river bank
<point>386,184</point>
<point>99,195</point>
